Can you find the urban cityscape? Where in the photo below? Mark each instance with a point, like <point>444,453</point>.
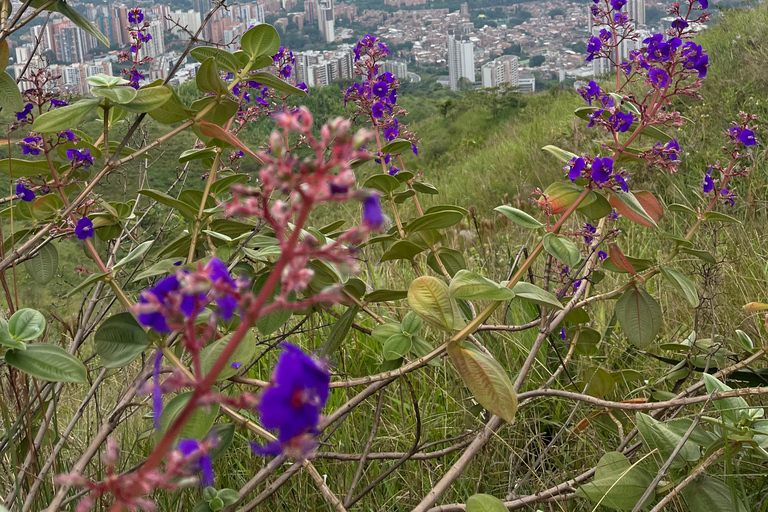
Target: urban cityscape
<point>510,45</point>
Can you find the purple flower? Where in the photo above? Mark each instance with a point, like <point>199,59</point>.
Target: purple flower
<point>236,366</point>
<point>659,77</point>
<point>601,255</point>
<point>191,448</point>
<point>373,218</point>
<point>160,293</point>
<point>58,103</point>
<point>135,16</point>
<point>562,333</point>
<point>303,87</point>
<point>292,403</point>
<point>24,112</point>
<point>380,89</point>
<point>377,110</point>
<point>622,182</point>
<point>746,137</point>
<point>415,149</point>
<point>157,392</point>
<point>593,47</point>
<point>30,145</point>
<point>76,156</point>
<point>393,170</point>
<point>387,77</point>
<point>24,193</point>
<point>84,228</point>
<point>392,131</point>
<point>679,24</point>
<point>704,4</point>
<point>622,121</point>
<point>144,37</point>
<point>674,147</point>
<point>577,165</point>
<point>618,4</point>
<point>708,185</point>
<point>695,58</point>
<point>219,274</point>
<point>590,92</point>
<point>602,168</point>
<point>589,229</point>
<point>67,134</point>
<point>620,18</point>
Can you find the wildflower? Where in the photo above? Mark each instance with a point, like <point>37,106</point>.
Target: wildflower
<point>219,274</point>
<point>620,18</point>
<point>621,182</point>
<point>590,92</point>
<point>380,89</point>
<point>30,145</point>
<point>743,135</point>
<point>192,448</point>
<point>372,215</point>
<point>602,168</point>
<point>76,156</point>
<point>679,24</point>
<point>618,4</point>
<point>67,134</point>
<point>704,4</point>
<point>236,365</point>
<point>708,184</point>
<point>729,196</point>
<point>58,103</point>
<point>415,149</point>
<point>292,403</point>
<point>562,333</point>
<point>84,228</point>
<point>24,193</point>
<point>622,121</point>
<point>695,58</point>
<point>392,131</point>
<point>589,230</point>
<point>674,147</point>
<point>601,255</point>
<point>303,87</point>
<point>24,112</point>
<point>157,393</point>
<point>135,16</point>
<point>377,110</point>
<point>161,293</point>
<point>593,47</point>
<point>659,78</point>
<point>393,170</point>
<point>577,165</point>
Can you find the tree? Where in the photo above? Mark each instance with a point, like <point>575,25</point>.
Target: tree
<point>536,61</point>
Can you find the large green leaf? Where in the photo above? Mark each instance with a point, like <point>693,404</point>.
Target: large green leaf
<point>208,79</point>
<point>120,340</point>
<point>148,99</point>
<point>339,332</point>
<point>260,40</point>
<point>682,285</point>
<point>617,484</point>
<point>629,200</point>
<point>437,220</point>
<point>43,267</point>
<point>486,379</point>
<point>396,147</point>
<point>562,249</point>
<point>26,324</point>
<point>176,204</point>
<point>242,356</point>
<point>532,293</point>
<point>657,436</point>
<point>47,362</point>
<point>734,409</point>
<point>134,255</point>
<point>120,94</point>
<point>224,59</point>
<point>10,96</point>
<point>275,83</point>
<point>401,250</point>
<point>430,299</point>
<point>519,217</point>
<point>452,260</point>
<point>485,503</point>
<point>24,168</point>
<point>200,422</point>
<point>707,494</point>
<point>396,346</point>
<point>471,286</point>
<point>639,316</point>
<point>65,118</point>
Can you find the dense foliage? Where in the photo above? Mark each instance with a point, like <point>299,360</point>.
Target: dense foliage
<point>232,330</point>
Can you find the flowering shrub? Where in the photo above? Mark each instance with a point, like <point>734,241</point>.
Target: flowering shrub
<point>249,258</point>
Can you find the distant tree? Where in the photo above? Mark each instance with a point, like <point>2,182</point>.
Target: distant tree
<point>515,49</point>
<point>536,61</point>
<point>579,47</point>
<point>556,12</point>
<point>465,84</point>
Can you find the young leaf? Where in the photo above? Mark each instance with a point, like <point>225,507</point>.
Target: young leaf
<point>486,379</point>
<point>562,249</point>
<point>682,285</point>
<point>47,362</point>
<point>224,59</point>
<point>518,217</point>
<point>121,94</point>
<point>681,208</point>
<point>639,316</point>
<point>711,216</point>
<point>65,118</point>
<point>485,503</point>
<point>275,83</point>
<point>260,40</point>
<point>471,286</point>
<point>560,154</point>
<point>733,409</point>
<point>26,324</point>
<point>120,340</point>
<point>135,254</point>
<point>208,79</point>
<point>641,208</point>
<point>430,299</point>
<point>396,347</point>
<point>561,195</point>
<point>43,267</point>
<point>383,332</point>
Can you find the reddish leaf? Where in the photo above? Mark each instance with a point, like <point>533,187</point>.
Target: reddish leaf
<point>649,203</point>
<point>217,132</point>
<point>618,259</point>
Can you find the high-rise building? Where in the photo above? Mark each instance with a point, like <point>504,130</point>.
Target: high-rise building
<point>399,68</point>
<point>464,9</point>
<point>155,47</point>
<point>310,11</point>
<point>636,11</point>
<point>461,60</point>
<point>503,70</point>
<point>527,84</point>
<point>325,20</point>
<point>185,19</point>
<point>204,7</point>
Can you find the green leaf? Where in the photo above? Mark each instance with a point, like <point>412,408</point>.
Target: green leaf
<point>452,260</point>
<point>617,484</point>
<point>120,340</point>
<point>437,220</point>
<point>486,379</point>
<point>430,299</point>
<point>208,79</point>
<point>200,421</point>
<point>518,217</point>
<point>734,409</point>
<point>562,195</point>
<point>120,94</point>
<point>148,99</point>
<point>26,324</point>
<point>172,111</point>
<point>223,185</point>
<point>225,433</point>
<point>386,295</point>
<point>244,354</point>
<point>224,59</point>
<point>639,316</point>
<point>93,278</point>
<point>598,208</point>
<point>5,54</point>
<point>702,255</point>
<point>712,216</point>
<point>562,249</point>
<point>639,264</point>
<point>424,188</point>
<point>532,293</point>
<point>134,255</point>
<point>485,503</point>
<point>707,494</point>
<point>655,133</point>
<point>275,83</point>
<point>160,268</point>
<point>411,324</point>
<point>383,332</point>
<point>396,147</point>
<point>745,340</point>
<point>560,154</point>
<point>105,80</point>
<point>402,197</point>
<point>47,362</point>
<point>587,342</point>
<point>65,118</point>
<point>43,267</point>
<point>401,250</point>
<point>682,285</point>
<point>471,286</point>
<point>196,154</point>
<point>339,332</point>
<point>80,21</point>
<point>657,436</point>
<point>176,204</point>
<point>396,347</point>
<point>260,40</point>
<point>24,168</point>
<point>630,201</point>
<point>681,208</point>
<point>10,96</point>
<point>384,183</point>
<point>6,340</point>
